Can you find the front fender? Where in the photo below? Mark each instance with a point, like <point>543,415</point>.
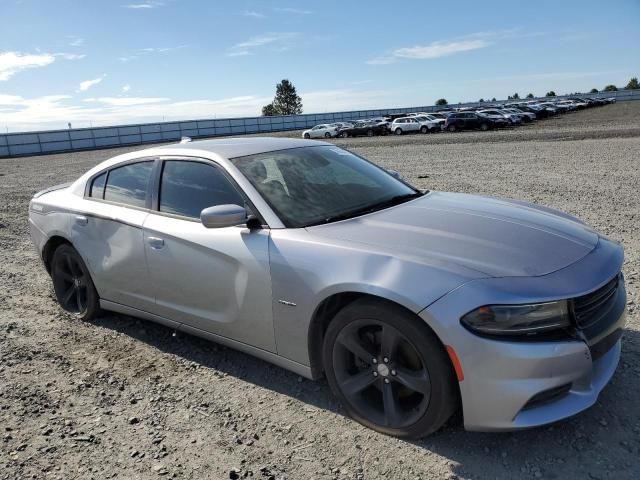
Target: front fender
<point>305,271</point>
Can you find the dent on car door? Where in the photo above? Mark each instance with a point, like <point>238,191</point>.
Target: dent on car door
<point>213,279</point>
<point>108,234</point>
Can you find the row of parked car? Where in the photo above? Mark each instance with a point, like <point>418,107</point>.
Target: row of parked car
<point>479,117</point>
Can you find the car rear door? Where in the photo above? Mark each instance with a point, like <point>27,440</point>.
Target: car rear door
<point>215,280</point>
<point>108,233</point>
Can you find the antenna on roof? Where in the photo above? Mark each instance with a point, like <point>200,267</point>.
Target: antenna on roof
<point>185,139</point>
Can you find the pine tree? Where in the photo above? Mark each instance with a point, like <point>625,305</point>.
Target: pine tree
<point>286,101</point>
<point>633,84</point>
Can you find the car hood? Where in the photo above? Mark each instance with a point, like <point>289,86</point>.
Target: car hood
<point>493,236</point>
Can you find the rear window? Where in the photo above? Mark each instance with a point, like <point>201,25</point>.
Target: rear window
<point>129,184</point>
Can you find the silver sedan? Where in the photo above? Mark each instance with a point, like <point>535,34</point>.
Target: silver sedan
<point>412,304</point>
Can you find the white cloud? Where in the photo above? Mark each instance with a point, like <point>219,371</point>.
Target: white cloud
<point>432,50</point>
<point>296,11</point>
<point>76,42</point>
<point>126,88</point>
<point>125,101</point>
<point>246,47</point>
<point>71,56</point>
<point>87,84</point>
<point>439,49</point>
<point>150,51</point>
<point>251,13</point>
<point>144,5</point>
<point>14,62</point>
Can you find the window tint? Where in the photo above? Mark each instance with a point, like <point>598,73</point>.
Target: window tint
<point>97,186</point>
<point>129,184</point>
<point>187,188</point>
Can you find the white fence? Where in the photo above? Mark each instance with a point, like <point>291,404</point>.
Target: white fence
<point>57,141</point>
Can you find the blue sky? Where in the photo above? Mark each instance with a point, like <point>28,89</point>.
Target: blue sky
<point>93,62</point>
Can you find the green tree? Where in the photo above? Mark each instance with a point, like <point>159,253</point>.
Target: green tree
<point>515,96</point>
<point>493,99</point>
<point>550,93</point>
<point>269,110</point>
<point>481,100</point>
<point>286,102</point>
<point>610,88</point>
<point>530,95</point>
<point>633,84</point>
<point>441,101</point>
<point>593,90</point>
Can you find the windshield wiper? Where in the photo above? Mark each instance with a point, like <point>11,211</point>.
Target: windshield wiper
<point>390,202</point>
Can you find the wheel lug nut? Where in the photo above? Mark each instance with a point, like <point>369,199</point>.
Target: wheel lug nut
<point>393,372</point>
<point>375,374</point>
<point>374,361</point>
<point>386,380</point>
<point>386,360</point>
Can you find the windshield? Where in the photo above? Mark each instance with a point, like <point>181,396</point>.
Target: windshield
<point>313,185</point>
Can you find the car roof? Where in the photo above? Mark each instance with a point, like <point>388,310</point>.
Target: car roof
<point>240,147</point>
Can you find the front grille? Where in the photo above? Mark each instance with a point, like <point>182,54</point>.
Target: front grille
<point>589,308</point>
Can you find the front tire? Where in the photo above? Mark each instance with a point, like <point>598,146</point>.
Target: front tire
<point>398,131</point>
<point>344,134</point>
<point>72,284</point>
<point>389,369</point>
<point>484,127</point>
<point>307,136</point>
<point>424,130</point>
<point>452,128</point>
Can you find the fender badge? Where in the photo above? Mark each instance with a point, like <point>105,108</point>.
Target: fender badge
<point>288,304</point>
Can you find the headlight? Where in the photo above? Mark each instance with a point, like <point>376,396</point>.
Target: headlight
<point>518,320</point>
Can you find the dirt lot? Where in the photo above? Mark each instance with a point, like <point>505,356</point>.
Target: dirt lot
<point>123,398</point>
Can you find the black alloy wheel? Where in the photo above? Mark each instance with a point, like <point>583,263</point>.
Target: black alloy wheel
<point>72,283</point>
<point>389,370</point>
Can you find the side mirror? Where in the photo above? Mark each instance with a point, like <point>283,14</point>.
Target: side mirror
<point>394,173</point>
<point>222,216</point>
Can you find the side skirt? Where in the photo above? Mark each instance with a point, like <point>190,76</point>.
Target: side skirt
<point>302,370</point>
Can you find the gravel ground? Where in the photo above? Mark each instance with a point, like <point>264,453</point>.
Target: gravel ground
<point>123,398</point>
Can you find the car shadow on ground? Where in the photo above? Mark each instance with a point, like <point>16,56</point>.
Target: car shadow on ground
<point>536,453</point>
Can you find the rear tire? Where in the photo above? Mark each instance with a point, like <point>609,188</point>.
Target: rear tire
<point>327,135</point>
<point>344,135</point>
<point>369,133</point>
<point>398,131</point>
<point>72,284</point>
<point>484,127</point>
<point>452,128</point>
<point>389,369</point>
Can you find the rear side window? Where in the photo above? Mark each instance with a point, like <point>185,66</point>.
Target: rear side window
<point>187,188</point>
<point>97,186</point>
<point>129,184</point>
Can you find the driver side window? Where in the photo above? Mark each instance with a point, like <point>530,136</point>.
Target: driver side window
<point>187,188</point>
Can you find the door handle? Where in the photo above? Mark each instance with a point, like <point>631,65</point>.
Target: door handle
<point>155,242</point>
<point>81,220</point>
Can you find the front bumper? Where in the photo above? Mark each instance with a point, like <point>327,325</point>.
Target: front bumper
<point>511,385</point>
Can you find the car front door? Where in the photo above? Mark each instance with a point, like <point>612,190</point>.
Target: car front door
<point>212,279</point>
<point>108,233</point>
